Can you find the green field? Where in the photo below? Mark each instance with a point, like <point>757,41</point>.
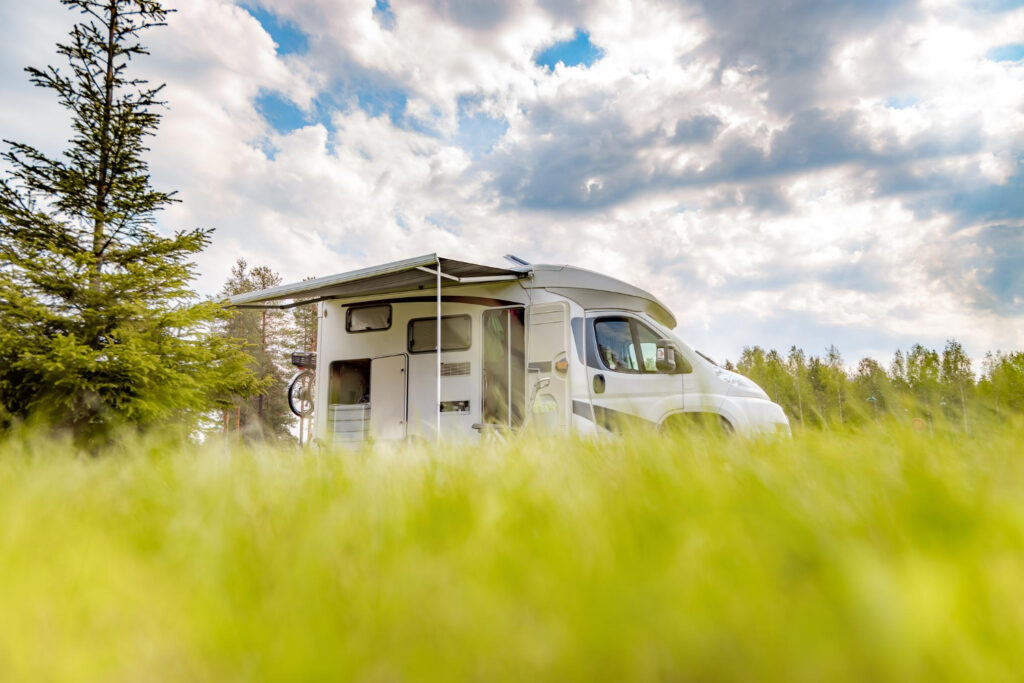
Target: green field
<point>878,554</point>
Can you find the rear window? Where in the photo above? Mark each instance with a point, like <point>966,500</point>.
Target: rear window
<point>368,318</point>
<point>455,334</point>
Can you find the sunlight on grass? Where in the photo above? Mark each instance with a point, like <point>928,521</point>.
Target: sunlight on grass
<point>879,554</point>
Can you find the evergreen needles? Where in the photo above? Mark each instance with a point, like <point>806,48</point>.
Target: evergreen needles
<point>98,323</point>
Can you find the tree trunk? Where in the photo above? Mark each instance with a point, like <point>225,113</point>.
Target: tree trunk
<point>102,179</point>
<point>263,350</point>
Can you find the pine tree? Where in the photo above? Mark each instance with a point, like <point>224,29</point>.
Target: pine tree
<point>269,335</point>
<point>98,324</point>
<point>306,324</point>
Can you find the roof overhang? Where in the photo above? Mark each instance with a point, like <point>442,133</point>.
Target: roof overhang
<point>593,290</point>
<point>399,276</point>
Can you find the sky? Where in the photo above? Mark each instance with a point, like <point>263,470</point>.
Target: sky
<point>778,173</point>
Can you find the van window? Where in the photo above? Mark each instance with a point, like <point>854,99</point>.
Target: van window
<point>648,346</point>
<point>615,345</point>
<point>368,318</point>
<point>455,331</point>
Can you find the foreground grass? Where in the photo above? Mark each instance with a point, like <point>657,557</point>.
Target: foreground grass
<point>877,555</point>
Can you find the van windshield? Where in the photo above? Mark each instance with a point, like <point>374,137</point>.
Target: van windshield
<point>705,357</point>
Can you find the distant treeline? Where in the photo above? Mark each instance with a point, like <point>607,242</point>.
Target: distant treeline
<point>921,385</point>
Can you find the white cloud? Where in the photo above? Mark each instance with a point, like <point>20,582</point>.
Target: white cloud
<point>797,175</point>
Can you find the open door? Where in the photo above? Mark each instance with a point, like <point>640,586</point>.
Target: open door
<point>388,397</point>
<point>504,366</point>
<point>547,345</point>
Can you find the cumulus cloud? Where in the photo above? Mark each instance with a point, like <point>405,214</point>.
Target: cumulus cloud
<point>809,173</point>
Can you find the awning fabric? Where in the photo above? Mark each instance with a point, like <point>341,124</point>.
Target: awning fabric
<point>399,276</point>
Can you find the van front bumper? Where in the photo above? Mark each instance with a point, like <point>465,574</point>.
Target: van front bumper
<point>755,416</point>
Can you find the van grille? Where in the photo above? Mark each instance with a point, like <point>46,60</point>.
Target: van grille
<point>454,369</point>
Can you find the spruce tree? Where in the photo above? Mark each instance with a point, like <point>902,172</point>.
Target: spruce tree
<point>98,324</point>
<point>269,336</point>
<point>306,323</point>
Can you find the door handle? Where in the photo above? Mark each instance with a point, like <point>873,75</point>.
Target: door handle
<point>598,384</point>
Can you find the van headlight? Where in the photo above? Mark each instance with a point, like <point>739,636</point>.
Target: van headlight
<point>740,385</point>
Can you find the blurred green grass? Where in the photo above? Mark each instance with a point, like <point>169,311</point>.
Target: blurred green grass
<point>879,554</point>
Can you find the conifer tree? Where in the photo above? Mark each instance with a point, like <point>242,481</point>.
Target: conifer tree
<point>269,335</point>
<point>98,324</point>
<point>306,324</point>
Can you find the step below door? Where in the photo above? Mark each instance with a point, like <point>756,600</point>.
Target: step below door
<point>388,394</point>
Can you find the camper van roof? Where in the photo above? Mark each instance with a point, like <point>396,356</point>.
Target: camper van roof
<point>587,288</point>
<point>594,290</point>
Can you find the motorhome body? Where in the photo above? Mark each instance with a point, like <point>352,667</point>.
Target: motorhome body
<point>552,347</point>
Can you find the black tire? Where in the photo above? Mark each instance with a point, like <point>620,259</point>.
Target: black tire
<point>697,423</point>
<point>300,394</point>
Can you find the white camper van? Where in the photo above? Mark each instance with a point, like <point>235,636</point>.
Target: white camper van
<point>548,347</point>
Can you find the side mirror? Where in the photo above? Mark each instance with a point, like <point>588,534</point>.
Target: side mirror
<point>669,360</point>
<point>665,356</point>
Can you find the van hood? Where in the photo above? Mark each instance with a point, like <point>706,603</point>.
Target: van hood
<point>738,385</point>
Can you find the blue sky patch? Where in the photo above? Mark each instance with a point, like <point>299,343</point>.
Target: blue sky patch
<point>1006,53</point>
<point>1002,276</point>
<point>376,99</point>
<point>280,112</point>
<point>383,14</point>
<point>287,35</point>
<point>901,102</point>
<point>991,202</point>
<point>446,222</point>
<point>573,52</point>
<point>995,5</point>
<point>477,132</point>
<point>378,102</point>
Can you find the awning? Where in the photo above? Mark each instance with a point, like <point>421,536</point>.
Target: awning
<point>399,276</point>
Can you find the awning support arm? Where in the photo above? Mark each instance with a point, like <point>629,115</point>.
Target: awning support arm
<point>438,406</point>
<point>467,280</point>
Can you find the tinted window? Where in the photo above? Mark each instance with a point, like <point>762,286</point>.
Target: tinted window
<point>615,345</point>
<point>455,334</point>
<point>368,318</point>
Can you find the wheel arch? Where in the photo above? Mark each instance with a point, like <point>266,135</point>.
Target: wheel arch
<point>690,416</point>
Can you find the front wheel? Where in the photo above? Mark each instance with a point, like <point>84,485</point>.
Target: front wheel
<point>697,423</point>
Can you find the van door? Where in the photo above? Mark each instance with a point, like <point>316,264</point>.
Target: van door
<point>504,366</point>
<point>546,348</point>
<point>627,388</point>
<point>388,396</point>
